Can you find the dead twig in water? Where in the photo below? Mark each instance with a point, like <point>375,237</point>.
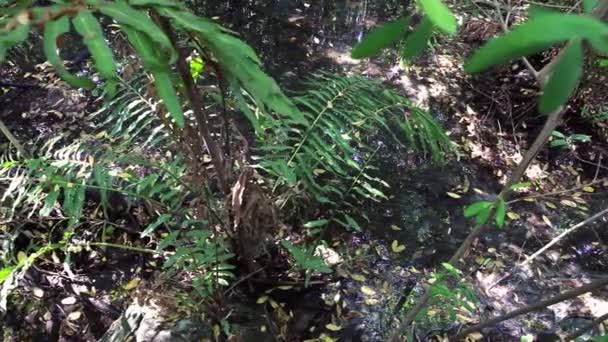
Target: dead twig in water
<point>572,293</point>
<point>586,328</point>
<point>564,233</point>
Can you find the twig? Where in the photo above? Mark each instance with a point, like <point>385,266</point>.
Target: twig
<point>129,248</point>
<point>557,192</point>
<point>7,133</point>
<point>534,307</point>
<point>586,328</point>
<point>505,28</point>
<point>564,233</point>
<point>240,281</point>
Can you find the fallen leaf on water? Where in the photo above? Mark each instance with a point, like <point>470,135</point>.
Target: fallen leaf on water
<point>21,256</point>
<point>285,287</point>
<point>38,292</point>
<point>453,195</point>
<point>68,301</point>
<point>513,216</point>
<point>568,203</point>
<point>396,247</point>
<point>74,316</point>
<point>333,327</point>
<point>131,284</point>
<point>358,277</point>
<point>371,301</point>
<point>367,290</point>
<point>393,227</point>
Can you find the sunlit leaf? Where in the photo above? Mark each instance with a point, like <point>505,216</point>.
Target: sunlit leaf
<point>315,223</point>
<point>5,272</point>
<point>453,195</point>
<point>513,215</point>
<point>395,247</point>
<point>368,291</point>
<point>381,37</point>
<point>333,327</point>
<point>568,203</point>
<point>439,14</point>
<point>358,277</point>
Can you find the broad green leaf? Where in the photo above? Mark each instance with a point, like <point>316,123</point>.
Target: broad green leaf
<point>138,20</point>
<point>558,134</point>
<point>540,10</point>
<point>558,143</point>
<point>315,223</point>
<point>439,14</point>
<point>520,185</point>
<point>49,202</point>
<point>580,137</point>
<point>145,49</point>
<point>589,5</point>
<point>533,36</point>
<point>381,38</point>
<point>12,38</point>
<point>417,40</point>
<point>166,91</point>
<point>53,30</point>
<point>161,3</point>
<point>475,208</point>
<point>5,272</point>
<point>564,78</point>
<point>483,215</point>
<point>501,209</point>
<point>88,27</point>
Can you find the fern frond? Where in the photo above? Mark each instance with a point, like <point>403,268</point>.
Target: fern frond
<point>344,117</point>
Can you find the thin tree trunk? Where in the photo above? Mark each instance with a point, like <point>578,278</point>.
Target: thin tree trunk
<point>198,108</point>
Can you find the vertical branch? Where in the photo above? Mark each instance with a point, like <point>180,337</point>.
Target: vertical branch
<point>202,121</point>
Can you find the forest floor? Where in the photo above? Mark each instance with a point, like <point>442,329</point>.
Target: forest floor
<point>492,120</point>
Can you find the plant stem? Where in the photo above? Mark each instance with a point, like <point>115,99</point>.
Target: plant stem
<point>202,122</point>
<point>572,293</point>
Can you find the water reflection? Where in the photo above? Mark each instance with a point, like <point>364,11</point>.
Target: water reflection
<point>295,37</point>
